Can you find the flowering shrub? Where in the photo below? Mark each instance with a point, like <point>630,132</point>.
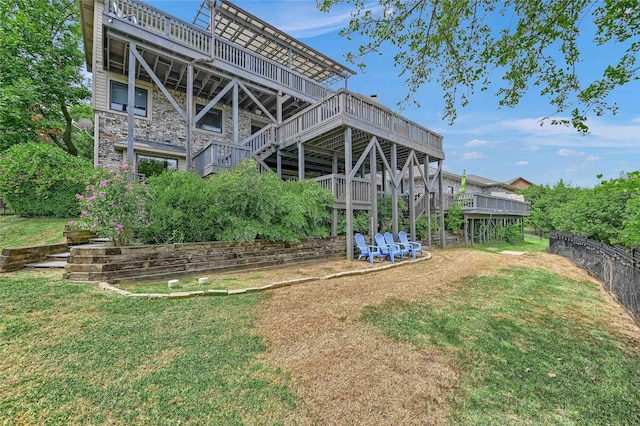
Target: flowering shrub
<point>112,205</point>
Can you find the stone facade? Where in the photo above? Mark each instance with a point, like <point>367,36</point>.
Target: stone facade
<point>164,125</point>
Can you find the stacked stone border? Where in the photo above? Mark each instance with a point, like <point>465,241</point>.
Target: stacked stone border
<point>185,294</point>
<point>618,268</point>
<point>14,258</point>
<point>156,262</point>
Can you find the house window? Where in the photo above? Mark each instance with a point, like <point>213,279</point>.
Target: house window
<point>150,165</point>
<point>120,98</point>
<point>449,189</point>
<point>212,120</point>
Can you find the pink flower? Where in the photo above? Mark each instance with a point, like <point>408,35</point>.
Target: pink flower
<point>93,197</point>
<point>125,166</point>
<point>119,226</point>
<point>80,196</point>
<point>129,186</point>
<point>71,223</point>
<point>101,193</point>
<point>103,183</point>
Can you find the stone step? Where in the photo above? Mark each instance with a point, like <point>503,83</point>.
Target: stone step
<point>59,255</point>
<point>47,264</point>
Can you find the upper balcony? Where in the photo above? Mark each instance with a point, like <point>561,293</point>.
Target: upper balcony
<point>241,45</point>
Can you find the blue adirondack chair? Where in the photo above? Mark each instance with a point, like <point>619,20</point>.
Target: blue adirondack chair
<point>367,251</point>
<point>414,246</point>
<point>404,248</point>
<point>391,251</point>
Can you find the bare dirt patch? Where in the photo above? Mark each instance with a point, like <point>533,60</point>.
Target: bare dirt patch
<point>347,372</point>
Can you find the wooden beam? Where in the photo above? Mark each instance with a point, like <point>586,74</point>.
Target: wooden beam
<point>394,189</point>
<point>189,141</point>
<point>262,108</point>
<point>348,191</point>
<point>441,189</point>
<point>131,107</point>
<point>158,83</point>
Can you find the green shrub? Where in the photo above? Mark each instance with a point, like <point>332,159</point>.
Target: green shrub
<point>385,213</point>
<point>41,180</point>
<point>182,207</point>
<point>113,206</point>
<point>240,204</point>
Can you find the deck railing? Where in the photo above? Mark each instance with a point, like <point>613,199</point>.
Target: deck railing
<point>337,184</point>
<point>260,140</point>
<point>361,108</point>
<point>482,203</point>
<point>220,155</point>
<point>188,35</point>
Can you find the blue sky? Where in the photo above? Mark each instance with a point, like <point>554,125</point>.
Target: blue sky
<point>500,144</point>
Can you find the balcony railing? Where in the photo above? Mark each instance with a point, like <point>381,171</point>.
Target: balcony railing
<point>485,204</point>
<point>186,34</point>
<point>337,184</point>
<point>360,108</point>
<point>218,156</point>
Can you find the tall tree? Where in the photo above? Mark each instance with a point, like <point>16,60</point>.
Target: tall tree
<point>465,44</point>
<point>40,72</point>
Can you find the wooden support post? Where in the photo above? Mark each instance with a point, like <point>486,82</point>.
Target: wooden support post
<point>394,189</point>
<point>466,231</point>
<point>427,193</point>
<point>236,125</point>
<point>189,141</point>
<point>374,191</point>
<point>412,205</point>
<point>441,195</point>
<point>131,108</point>
<point>279,163</point>
<point>279,107</point>
<point>348,191</point>
<point>300,161</point>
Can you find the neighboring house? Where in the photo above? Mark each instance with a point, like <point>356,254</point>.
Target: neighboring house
<point>520,183</point>
<point>203,96</point>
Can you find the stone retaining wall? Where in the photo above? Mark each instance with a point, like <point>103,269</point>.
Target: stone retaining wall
<point>14,258</point>
<point>144,263</point>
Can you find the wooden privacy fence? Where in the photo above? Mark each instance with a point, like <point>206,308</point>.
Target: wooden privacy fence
<point>618,268</point>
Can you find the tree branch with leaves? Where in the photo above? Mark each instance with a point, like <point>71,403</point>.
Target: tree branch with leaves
<point>469,45</point>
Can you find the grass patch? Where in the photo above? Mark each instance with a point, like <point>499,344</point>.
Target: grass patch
<point>21,232</point>
<point>72,355</point>
<point>191,284</point>
<point>531,243</point>
<point>532,346</point>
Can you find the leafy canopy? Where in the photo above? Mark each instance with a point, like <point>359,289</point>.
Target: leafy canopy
<point>464,44</point>
<point>40,73</point>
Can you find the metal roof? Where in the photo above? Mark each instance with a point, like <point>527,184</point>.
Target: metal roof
<point>241,27</point>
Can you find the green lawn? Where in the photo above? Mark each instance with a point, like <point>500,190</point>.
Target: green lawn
<point>20,232</point>
<point>531,348</point>
<point>531,243</point>
<point>71,355</point>
<point>534,348</point>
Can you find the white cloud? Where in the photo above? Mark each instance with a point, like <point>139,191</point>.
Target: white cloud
<point>476,142</point>
<point>569,153</point>
<point>473,155</point>
<point>532,148</point>
<point>636,120</point>
<point>601,133</point>
<point>521,163</point>
<point>592,158</point>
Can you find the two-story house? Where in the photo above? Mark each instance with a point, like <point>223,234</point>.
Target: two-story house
<point>205,95</point>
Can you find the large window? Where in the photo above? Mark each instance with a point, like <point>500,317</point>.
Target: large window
<point>212,120</point>
<point>120,99</point>
<point>150,165</point>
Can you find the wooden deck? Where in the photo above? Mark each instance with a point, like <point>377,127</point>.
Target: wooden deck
<point>143,21</point>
